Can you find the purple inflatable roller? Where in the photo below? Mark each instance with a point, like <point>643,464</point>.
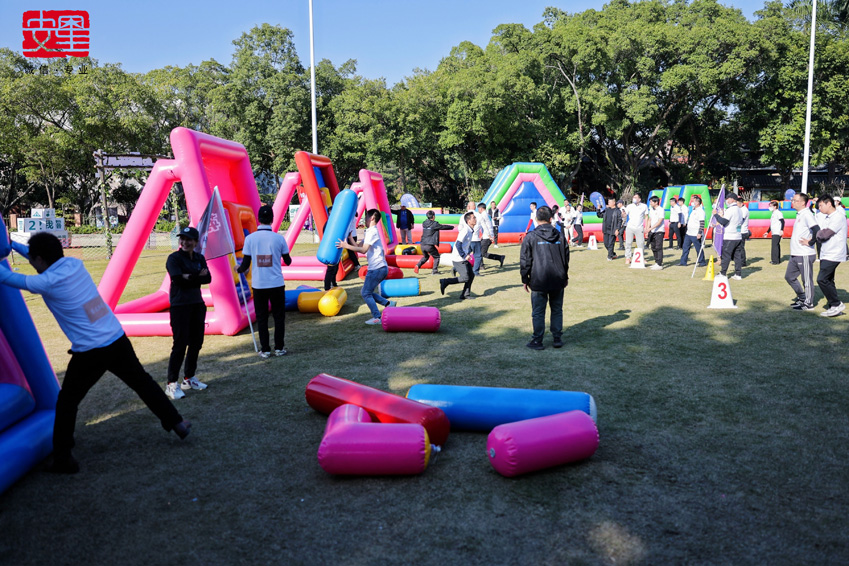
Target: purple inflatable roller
<point>410,319</point>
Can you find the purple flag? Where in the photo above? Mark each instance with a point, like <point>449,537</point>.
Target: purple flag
<point>216,239</point>
<point>718,229</point>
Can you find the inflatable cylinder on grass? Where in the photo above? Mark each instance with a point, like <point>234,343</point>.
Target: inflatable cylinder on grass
<point>325,392</point>
<point>535,444</point>
<point>308,301</point>
<point>332,301</point>
<point>392,272</point>
<point>483,408</point>
<point>406,287</point>
<point>354,445</point>
<point>292,296</point>
<point>410,319</point>
<point>344,209</point>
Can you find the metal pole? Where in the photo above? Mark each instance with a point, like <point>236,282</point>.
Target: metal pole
<point>807,157</point>
<point>312,86</point>
<point>99,156</point>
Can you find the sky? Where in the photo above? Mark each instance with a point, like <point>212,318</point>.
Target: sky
<point>387,38</point>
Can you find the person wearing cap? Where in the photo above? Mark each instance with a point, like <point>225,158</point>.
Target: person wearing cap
<point>262,254</point>
<point>732,220</point>
<point>98,344</point>
<point>188,271</point>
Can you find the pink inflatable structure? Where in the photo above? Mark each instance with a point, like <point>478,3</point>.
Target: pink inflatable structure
<point>354,445</point>
<point>527,446</point>
<point>410,319</point>
<point>201,162</point>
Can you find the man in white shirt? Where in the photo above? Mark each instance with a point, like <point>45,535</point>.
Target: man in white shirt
<point>732,244</point>
<point>487,236</point>
<point>674,233</point>
<point>477,236</point>
<point>695,232</point>
<point>832,235</point>
<point>683,217</point>
<point>744,228</point>
<point>636,226</point>
<point>533,222</point>
<point>377,268</point>
<point>776,228</point>
<point>461,255</point>
<point>266,249</point>
<point>802,254</point>
<point>656,226</point>
<point>98,343</point>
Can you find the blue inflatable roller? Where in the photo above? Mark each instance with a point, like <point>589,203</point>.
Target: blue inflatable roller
<point>344,210</point>
<point>407,287</point>
<point>292,296</point>
<point>484,408</point>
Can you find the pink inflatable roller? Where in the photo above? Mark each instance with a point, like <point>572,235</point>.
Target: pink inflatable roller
<point>410,319</point>
<point>354,445</point>
<point>535,444</point>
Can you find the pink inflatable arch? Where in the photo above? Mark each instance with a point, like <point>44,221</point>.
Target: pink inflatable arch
<point>201,162</point>
<point>354,445</point>
<point>526,446</point>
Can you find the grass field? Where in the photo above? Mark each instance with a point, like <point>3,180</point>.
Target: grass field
<point>723,436</point>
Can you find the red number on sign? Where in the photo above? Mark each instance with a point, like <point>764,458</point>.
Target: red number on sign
<point>637,256</point>
<point>723,290</point>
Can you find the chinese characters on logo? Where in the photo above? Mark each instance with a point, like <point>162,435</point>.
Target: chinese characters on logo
<point>56,33</point>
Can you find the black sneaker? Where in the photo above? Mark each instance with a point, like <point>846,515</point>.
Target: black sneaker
<point>558,342</point>
<point>534,345</point>
<point>803,307</point>
<point>183,429</point>
<point>67,465</point>
<point>796,301</point>
<point>502,261</point>
<point>442,286</point>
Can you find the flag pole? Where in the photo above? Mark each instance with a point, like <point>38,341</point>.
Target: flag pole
<point>245,301</point>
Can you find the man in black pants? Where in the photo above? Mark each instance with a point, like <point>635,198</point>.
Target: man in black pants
<point>430,241</point>
<point>487,235</point>
<point>460,256</point>
<point>544,266</point>
<point>98,344</point>
<point>188,271</point>
<point>611,225</point>
<point>495,217</point>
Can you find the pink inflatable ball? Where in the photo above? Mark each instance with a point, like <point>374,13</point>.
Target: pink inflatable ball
<point>410,319</point>
<point>535,444</point>
<point>354,445</point>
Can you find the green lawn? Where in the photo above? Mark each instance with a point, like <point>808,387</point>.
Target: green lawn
<point>722,436</point>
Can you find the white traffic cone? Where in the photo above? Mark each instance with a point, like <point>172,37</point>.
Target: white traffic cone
<point>637,259</point>
<point>592,244</point>
<point>720,296</point>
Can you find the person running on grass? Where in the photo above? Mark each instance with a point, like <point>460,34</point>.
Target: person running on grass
<point>372,247</point>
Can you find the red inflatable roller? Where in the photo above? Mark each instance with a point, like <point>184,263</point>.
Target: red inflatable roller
<point>535,444</point>
<point>325,392</point>
<point>409,261</point>
<point>394,272</point>
<point>410,319</point>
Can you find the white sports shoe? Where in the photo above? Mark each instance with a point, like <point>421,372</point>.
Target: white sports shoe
<point>736,278</point>
<point>265,355</point>
<point>173,392</point>
<point>192,383</point>
<point>280,352</point>
<point>657,267</point>
<point>373,321</point>
<point>834,311</point>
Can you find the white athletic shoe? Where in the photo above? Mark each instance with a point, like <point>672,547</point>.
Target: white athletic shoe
<point>265,355</point>
<point>373,321</point>
<point>736,278</point>
<point>657,267</point>
<point>192,383</point>
<point>281,352</point>
<point>834,311</point>
<point>173,391</point>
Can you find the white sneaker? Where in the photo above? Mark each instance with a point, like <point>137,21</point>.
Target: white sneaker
<point>173,392</point>
<point>736,278</point>
<point>373,321</point>
<point>495,246</point>
<point>192,383</point>
<point>657,267</point>
<point>265,355</point>
<point>834,311</point>
<point>280,352</point>
<point>392,304</point>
